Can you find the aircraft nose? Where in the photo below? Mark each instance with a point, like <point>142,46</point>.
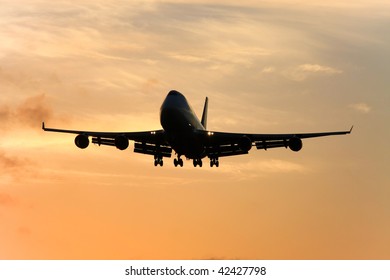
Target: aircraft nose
<point>174,93</point>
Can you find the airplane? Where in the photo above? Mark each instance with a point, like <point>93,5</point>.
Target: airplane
<point>188,136</point>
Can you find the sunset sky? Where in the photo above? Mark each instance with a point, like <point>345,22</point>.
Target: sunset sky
<point>272,66</point>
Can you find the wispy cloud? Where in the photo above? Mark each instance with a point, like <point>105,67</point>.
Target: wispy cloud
<point>304,71</point>
<point>360,107</point>
<point>316,68</point>
<point>8,162</point>
<point>268,70</point>
<point>254,169</point>
<point>30,112</point>
<point>14,168</point>
<point>34,110</point>
<point>274,166</point>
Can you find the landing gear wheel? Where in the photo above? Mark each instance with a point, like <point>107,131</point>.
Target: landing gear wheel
<point>158,161</point>
<point>177,162</point>
<point>214,162</point>
<point>197,162</point>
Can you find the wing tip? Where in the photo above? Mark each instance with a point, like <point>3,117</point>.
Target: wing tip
<point>350,129</point>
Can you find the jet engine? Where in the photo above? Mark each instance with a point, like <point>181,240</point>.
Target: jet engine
<point>245,143</point>
<point>121,142</point>
<point>81,141</point>
<point>295,144</point>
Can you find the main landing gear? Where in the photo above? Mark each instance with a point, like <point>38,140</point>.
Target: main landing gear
<point>197,162</point>
<point>158,160</point>
<point>214,161</point>
<point>178,161</point>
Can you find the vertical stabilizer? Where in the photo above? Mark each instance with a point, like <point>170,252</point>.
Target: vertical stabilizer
<point>204,115</point>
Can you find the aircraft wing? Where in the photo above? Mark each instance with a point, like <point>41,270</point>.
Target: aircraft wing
<point>146,142</point>
<point>220,144</point>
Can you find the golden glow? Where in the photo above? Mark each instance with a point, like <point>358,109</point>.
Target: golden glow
<point>266,66</point>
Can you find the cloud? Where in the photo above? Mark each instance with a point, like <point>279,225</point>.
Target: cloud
<point>10,162</point>
<point>12,168</point>
<point>278,166</point>
<point>251,168</point>
<point>316,68</point>
<point>268,70</point>
<point>30,112</point>
<point>304,71</point>
<point>360,107</point>
<point>34,110</point>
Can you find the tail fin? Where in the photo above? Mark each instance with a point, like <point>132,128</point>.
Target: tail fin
<point>204,115</point>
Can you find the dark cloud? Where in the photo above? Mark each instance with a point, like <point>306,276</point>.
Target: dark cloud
<point>30,112</point>
<point>34,110</point>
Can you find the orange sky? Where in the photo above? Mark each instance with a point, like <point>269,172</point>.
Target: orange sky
<point>266,66</point>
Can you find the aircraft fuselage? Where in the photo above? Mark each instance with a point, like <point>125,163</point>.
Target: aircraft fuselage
<point>180,123</point>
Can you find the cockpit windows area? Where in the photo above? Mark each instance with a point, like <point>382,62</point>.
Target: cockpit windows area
<point>174,93</point>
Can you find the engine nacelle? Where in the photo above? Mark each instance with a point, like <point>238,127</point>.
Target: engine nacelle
<point>121,142</point>
<point>295,144</point>
<point>81,141</point>
<point>245,143</point>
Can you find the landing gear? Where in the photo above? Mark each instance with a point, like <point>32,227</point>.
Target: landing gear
<point>158,160</point>
<point>197,162</point>
<point>178,161</point>
<point>214,161</point>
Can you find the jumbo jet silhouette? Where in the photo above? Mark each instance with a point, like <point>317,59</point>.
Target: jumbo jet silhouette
<point>187,136</point>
